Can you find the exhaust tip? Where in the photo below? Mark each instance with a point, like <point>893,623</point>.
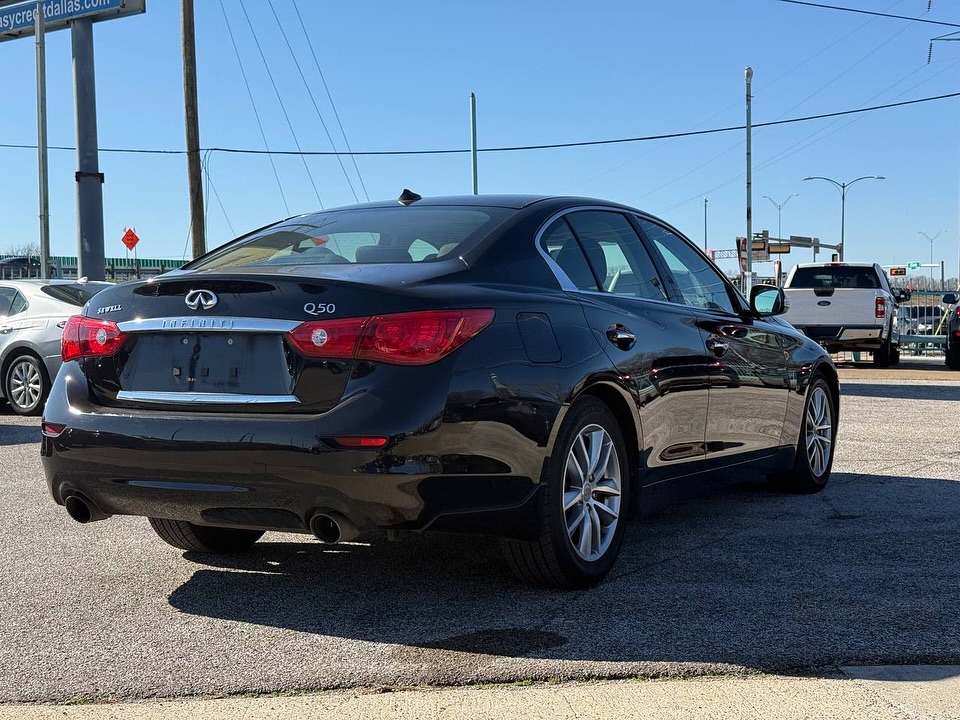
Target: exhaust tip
<point>78,509</point>
<point>331,528</point>
<point>83,510</point>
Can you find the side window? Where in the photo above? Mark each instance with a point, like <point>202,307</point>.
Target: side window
<point>7,296</point>
<point>562,246</point>
<point>695,279</point>
<point>617,256</point>
<point>19,304</point>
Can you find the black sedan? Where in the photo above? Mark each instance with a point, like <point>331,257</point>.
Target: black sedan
<point>532,368</point>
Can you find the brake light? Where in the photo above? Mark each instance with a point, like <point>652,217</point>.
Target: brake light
<point>881,311</point>
<point>958,311</point>
<point>415,338</point>
<point>89,337</point>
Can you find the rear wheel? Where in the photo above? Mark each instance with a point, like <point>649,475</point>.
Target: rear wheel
<point>583,513</point>
<point>26,385</point>
<point>953,357</point>
<point>818,432</point>
<point>201,538</point>
<point>881,356</point>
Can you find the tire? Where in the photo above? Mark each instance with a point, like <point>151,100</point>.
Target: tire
<point>25,385</point>
<point>202,538</point>
<point>953,357</point>
<point>895,356</point>
<point>580,537</point>
<point>818,434</point>
<point>881,356</point>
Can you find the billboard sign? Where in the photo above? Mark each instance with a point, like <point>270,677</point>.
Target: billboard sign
<point>19,19</point>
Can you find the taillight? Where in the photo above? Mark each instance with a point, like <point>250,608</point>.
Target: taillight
<point>958,311</point>
<point>415,338</point>
<point>89,337</point>
<point>350,441</point>
<point>881,308</point>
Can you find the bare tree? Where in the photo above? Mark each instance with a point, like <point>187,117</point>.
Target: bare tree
<point>27,249</point>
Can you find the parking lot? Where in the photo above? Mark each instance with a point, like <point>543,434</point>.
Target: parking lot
<point>745,581</point>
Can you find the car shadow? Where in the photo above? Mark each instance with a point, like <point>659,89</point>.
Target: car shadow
<point>903,392</point>
<point>19,434</point>
<point>859,574</point>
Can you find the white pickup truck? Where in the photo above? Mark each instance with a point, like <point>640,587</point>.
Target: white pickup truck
<point>846,307</point>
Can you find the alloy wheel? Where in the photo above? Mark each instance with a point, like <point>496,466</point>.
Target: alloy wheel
<point>819,431</point>
<point>591,492</point>
<point>25,385</point>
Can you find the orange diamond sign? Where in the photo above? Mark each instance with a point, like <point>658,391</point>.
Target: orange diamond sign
<point>130,239</point>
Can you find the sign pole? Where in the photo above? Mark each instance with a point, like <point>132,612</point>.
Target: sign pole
<point>748,275</point>
<point>42,144</point>
<point>89,178</point>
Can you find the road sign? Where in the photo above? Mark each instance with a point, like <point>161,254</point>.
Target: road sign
<point>18,20</point>
<point>913,266</point>
<point>899,270</point>
<point>130,239</point>
<point>778,248</point>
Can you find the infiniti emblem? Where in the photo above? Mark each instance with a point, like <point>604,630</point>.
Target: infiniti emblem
<point>205,299</point>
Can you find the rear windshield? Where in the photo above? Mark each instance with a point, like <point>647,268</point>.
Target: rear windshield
<point>835,277</point>
<point>74,293</point>
<point>361,236</point>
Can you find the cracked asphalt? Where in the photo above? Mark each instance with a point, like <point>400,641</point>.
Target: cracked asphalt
<point>743,581</point>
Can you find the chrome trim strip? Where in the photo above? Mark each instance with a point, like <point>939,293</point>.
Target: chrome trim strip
<point>209,324</point>
<point>187,398</point>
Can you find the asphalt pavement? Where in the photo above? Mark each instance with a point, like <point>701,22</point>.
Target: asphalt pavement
<point>739,583</point>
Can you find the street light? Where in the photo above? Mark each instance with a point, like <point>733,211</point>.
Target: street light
<point>842,187</point>
<point>779,207</point>
<point>931,239</point>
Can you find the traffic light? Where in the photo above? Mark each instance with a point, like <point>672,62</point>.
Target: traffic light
<point>895,271</point>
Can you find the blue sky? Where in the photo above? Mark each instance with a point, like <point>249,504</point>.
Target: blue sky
<point>543,72</point>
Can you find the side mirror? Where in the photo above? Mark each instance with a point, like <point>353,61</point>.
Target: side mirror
<point>766,300</point>
<point>950,299</point>
<point>901,295</point>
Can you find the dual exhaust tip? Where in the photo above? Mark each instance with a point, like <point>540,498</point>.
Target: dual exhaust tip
<point>328,527</point>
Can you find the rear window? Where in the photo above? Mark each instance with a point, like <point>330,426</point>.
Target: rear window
<point>361,236</point>
<point>835,277</point>
<point>73,293</point>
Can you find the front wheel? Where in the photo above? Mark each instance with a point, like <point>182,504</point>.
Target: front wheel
<point>818,433</point>
<point>26,385</point>
<point>583,512</point>
<point>204,538</point>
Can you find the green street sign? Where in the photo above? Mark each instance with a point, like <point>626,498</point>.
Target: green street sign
<point>913,266</point>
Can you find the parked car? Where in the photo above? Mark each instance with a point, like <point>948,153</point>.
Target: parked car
<point>847,307</point>
<point>452,364</point>
<point>32,316</point>
<point>952,331</point>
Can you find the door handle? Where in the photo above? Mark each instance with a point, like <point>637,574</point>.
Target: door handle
<point>621,336</point>
<point>717,347</point>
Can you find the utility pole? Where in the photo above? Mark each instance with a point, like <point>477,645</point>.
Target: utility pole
<point>192,120</point>
<point>748,277</point>
<point>42,143</point>
<point>473,141</point>
<point>705,201</point>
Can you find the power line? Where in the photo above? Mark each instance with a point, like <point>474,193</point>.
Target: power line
<point>253,102</point>
<point>296,7</point>
<point>513,148</point>
<point>869,12</point>
<point>313,100</point>
<point>283,108</point>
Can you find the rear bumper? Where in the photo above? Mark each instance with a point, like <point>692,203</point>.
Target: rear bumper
<point>853,337</point>
<point>275,472</point>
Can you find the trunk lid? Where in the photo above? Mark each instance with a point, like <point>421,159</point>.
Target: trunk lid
<point>195,342</point>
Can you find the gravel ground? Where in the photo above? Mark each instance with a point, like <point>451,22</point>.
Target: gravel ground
<point>744,581</point>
